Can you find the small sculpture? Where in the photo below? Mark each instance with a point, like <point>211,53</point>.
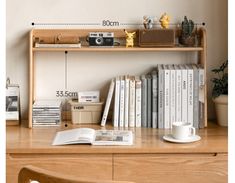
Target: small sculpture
<point>187,36</point>
<point>130,38</point>
<point>164,20</point>
<point>148,22</point>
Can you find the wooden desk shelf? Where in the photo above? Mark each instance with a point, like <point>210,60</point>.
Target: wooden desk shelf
<point>119,33</point>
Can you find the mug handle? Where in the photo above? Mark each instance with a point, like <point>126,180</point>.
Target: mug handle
<point>193,131</point>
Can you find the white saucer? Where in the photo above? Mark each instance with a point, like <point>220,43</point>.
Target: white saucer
<point>170,138</point>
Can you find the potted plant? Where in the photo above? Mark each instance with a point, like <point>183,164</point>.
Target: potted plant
<point>187,38</point>
<point>220,93</point>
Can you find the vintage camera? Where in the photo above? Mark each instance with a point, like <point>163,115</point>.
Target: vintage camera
<point>101,38</point>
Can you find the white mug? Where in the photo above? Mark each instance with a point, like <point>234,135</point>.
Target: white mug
<point>182,130</point>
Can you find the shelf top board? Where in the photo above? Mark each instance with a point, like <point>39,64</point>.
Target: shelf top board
<point>119,49</point>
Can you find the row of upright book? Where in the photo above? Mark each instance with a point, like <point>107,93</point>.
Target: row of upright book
<point>167,94</point>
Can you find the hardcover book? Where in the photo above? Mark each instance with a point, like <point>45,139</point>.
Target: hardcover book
<point>149,100</point>
<point>184,89</point>
<point>144,101</point>
<point>132,102</point>
<point>178,112</point>
<point>160,96</point>
<point>166,97</point>
<point>116,102</point>
<point>122,102</point>
<point>108,101</point>
<point>126,103</point>
<point>138,101</point>
<point>190,94</point>
<point>172,94</point>
<point>154,98</point>
<point>94,137</point>
<point>196,97</point>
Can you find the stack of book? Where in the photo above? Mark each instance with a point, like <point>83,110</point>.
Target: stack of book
<point>46,112</point>
<point>167,94</point>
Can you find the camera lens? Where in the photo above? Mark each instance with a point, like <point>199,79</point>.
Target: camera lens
<point>99,41</point>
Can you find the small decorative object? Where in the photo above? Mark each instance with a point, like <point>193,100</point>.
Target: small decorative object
<point>187,37</point>
<point>148,22</point>
<point>220,93</point>
<point>164,20</point>
<point>12,103</point>
<point>130,38</point>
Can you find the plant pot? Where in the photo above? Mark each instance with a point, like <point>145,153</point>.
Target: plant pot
<point>187,40</point>
<point>221,109</point>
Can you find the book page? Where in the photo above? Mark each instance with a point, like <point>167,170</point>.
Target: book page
<point>74,136</point>
<point>113,137</point>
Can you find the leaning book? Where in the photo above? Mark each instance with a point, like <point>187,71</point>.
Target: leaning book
<point>94,137</point>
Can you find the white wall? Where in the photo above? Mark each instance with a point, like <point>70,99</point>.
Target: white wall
<point>93,70</point>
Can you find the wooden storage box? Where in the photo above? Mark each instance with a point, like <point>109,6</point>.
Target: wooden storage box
<point>83,113</point>
<point>157,38</point>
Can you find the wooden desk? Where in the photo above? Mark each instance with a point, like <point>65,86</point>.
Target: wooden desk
<point>150,159</point>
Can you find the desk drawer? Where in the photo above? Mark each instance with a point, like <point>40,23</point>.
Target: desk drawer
<point>168,168</point>
<point>83,166</point>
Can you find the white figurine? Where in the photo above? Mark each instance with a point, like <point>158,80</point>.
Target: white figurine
<point>148,22</point>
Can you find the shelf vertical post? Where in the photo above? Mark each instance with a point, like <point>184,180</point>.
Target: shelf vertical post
<point>31,79</point>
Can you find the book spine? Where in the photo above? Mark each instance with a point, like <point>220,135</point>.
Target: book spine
<point>195,97</point>
<point>132,103</point>
<point>149,101</point>
<point>166,98</point>
<point>144,101</point>
<point>201,97</point>
<point>160,98</point>
<point>184,110</point>
<point>154,99</point>
<point>190,96</point>
<point>201,115</point>
<point>178,94</point>
<point>122,94</point>
<point>172,96</point>
<point>116,102</point>
<point>107,105</point>
<point>126,108</point>
<point>138,103</point>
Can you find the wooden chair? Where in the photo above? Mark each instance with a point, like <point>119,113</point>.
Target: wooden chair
<point>30,173</point>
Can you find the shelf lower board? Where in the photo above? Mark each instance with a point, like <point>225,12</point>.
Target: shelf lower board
<point>117,49</point>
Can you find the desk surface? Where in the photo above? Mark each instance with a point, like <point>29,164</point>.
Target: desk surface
<point>147,140</point>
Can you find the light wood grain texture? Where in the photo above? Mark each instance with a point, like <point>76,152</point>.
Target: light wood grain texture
<point>12,122</point>
<point>147,140</point>
<point>119,33</point>
<point>31,79</point>
<point>168,168</point>
<point>33,147</point>
<point>30,172</point>
<point>86,166</point>
<point>119,49</point>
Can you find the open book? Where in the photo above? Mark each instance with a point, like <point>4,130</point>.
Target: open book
<point>94,137</point>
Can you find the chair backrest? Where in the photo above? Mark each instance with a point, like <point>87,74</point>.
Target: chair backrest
<point>32,173</point>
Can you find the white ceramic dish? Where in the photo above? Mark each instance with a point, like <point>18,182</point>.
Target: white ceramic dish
<point>170,138</point>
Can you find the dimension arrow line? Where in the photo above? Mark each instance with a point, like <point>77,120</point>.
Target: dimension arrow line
<point>60,24</point>
<point>66,82</point>
<point>66,69</point>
